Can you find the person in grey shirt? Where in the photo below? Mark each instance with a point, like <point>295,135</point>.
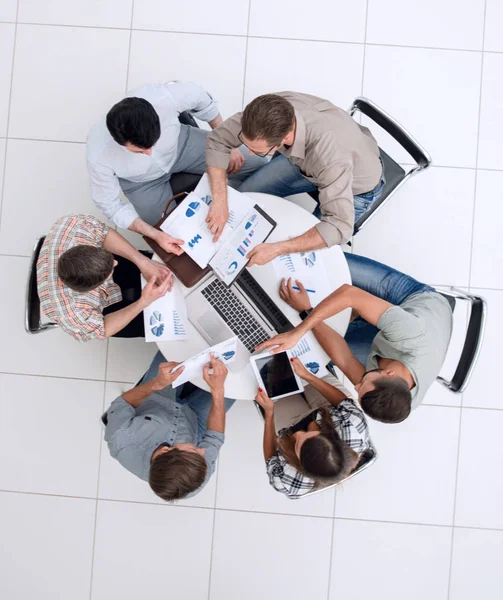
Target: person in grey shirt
<point>319,146</point>
<point>170,442</point>
<point>393,350</point>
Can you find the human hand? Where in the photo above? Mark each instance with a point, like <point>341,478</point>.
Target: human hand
<point>217,217</point>
<point>262,254</point>
<point>283,341</point>
<point>216,379</point>
<point>299,300</point>
<point>165,376</point>
<point>153,268</point>
<point>169,243</point>
<point>152,291</point>
<point>236,161</point>
<point>264,401</point>
<point>300,369</point>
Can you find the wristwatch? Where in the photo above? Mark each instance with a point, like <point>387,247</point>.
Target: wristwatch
<point>303,314</point>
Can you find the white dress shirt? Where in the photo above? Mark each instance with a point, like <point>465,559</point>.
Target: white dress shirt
<point>107,160</point>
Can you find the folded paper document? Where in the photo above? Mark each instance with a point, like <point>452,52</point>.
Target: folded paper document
<point>166,318</point>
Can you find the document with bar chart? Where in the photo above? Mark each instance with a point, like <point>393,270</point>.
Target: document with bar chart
<point>166,318</point>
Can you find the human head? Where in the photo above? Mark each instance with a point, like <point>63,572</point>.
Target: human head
<point>267,123</point>
<point>176,471</point>
<point>83,268</point>
<point>384,396</point>
<point>134,123</point>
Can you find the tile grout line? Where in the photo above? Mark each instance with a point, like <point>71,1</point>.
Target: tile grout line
<point>364,46</point>
<point>330,558</point>
<point>213,530</point>
<point>129,47</point>
<point>9,105</point>
<point>246,55</point>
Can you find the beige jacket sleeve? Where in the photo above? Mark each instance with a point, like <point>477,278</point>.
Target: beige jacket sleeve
<point>336,202</point>
<point>221,141</point>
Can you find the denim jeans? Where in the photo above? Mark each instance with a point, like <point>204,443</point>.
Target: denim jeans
<point>280,177</point>
<point>199,400</point>
<point>381,281</point>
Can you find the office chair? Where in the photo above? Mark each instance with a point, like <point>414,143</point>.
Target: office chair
<point>367,458</point>
<point>395,175</point>
<point>185,182</point>
<point>32,316</point>
<point>473,339</point>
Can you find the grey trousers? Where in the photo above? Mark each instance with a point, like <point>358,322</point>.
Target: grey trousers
<point>149,197</point>
<point>292,409</point>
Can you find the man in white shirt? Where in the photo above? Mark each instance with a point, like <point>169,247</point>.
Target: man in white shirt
<point>141,143</point>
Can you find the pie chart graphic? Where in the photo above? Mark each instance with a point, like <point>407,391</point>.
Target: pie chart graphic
<point>314,367</point>
<point>309,258</point>
<point>232,268</point>
<point>193,208</point>
<point>156,323</point>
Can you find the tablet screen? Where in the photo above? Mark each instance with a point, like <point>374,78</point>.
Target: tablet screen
<point>277,374</point>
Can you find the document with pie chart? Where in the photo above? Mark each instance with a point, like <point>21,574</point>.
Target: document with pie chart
<point>166,318</point>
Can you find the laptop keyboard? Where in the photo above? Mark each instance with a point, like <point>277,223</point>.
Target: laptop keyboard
<point>235,314</point>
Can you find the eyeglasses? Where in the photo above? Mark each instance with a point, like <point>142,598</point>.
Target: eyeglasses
<point>261,154</point>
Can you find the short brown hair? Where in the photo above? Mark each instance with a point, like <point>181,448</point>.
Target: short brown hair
<point>268,117</point>
<point>83,268</point>
<point>389,402</point>
<point>177,473</point>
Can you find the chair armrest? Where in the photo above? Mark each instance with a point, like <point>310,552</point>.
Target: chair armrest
<point>393,127</point>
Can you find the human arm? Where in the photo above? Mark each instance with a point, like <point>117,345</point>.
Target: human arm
<point>165,377</point>
<point>269,431</point>
<point>331,393</point>
<point>215,374</point>
<point>264,253</point>
<point>165,241</point>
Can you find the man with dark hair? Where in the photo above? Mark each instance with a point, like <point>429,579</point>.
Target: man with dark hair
<point>318,146</point>
<point>88,280</point>
<point>141,144</point>
<point>393,350</point>
<point>167,439</point>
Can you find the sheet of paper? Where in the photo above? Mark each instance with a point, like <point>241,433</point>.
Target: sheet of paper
<point>166,318</point>
<point>311,354</point>
<point>239,204</point>
<point>231,257</point>
<point>225,351</point>
<point>308,268</point>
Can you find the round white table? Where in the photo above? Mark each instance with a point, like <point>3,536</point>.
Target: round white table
<point>292,220</point>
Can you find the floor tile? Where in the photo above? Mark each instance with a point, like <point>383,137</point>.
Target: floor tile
<point>148,63</point>
<point>396,481</point>
<point>6,51</point>
<point>128,359</point>
<point>487,253</point>
<point>52,352</point>
<point>301,66</point>
<point>3,146</point>
<point>399,561</point>
<point>480,489</point>
<point>116,483</point>
<point>425,229</point>
<point>39,451</point>
<point>476,565</point>
<point>97,13</point>
<point>242,479</point>
<point>160,549</point>
<point>492,33</point>
<point>279,557</point>
<point>47,194</point>
<point>433,118</point>
<point>221,16</point>
<point>8,9</point>
<point>457,24</point>
<point>47,547</point>
<point>491,119</point>
<point>84,80</point>
<point>335,21</point>
<point>480,392</point>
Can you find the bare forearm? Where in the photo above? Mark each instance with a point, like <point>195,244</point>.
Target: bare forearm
<point>269,435</point>
<point>216,417</point>
<point>331,393</point>
<point>216,121</point>
<point>143,228</point>
<point>141,392</point>
<point>310,240</point>
<point>117,320</point>
<point>218,182</point>
<point>116,243</point>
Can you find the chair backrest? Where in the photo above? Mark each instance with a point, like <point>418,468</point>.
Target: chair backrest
<point>32,303</point>
<point>187,119</point>
<point>473,340</point>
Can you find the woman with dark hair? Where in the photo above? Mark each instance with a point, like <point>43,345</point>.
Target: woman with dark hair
<point>314,439</point>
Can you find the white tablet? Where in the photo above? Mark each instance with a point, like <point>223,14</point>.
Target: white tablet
<point>275,374</point>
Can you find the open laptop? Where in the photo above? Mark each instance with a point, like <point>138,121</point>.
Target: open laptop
<point>244,310</point>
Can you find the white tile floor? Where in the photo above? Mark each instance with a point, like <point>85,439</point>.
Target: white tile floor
<point>426,520</point>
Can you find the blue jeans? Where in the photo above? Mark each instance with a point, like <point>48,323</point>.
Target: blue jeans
<point>381,281</point>
<point>280,177</point>
<point>199,400</point>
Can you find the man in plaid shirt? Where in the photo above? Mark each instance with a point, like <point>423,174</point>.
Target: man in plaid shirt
<point>77,261</point>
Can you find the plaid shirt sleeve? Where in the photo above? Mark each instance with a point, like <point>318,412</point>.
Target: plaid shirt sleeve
<point>350,422</point>
<point>286,479</point>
